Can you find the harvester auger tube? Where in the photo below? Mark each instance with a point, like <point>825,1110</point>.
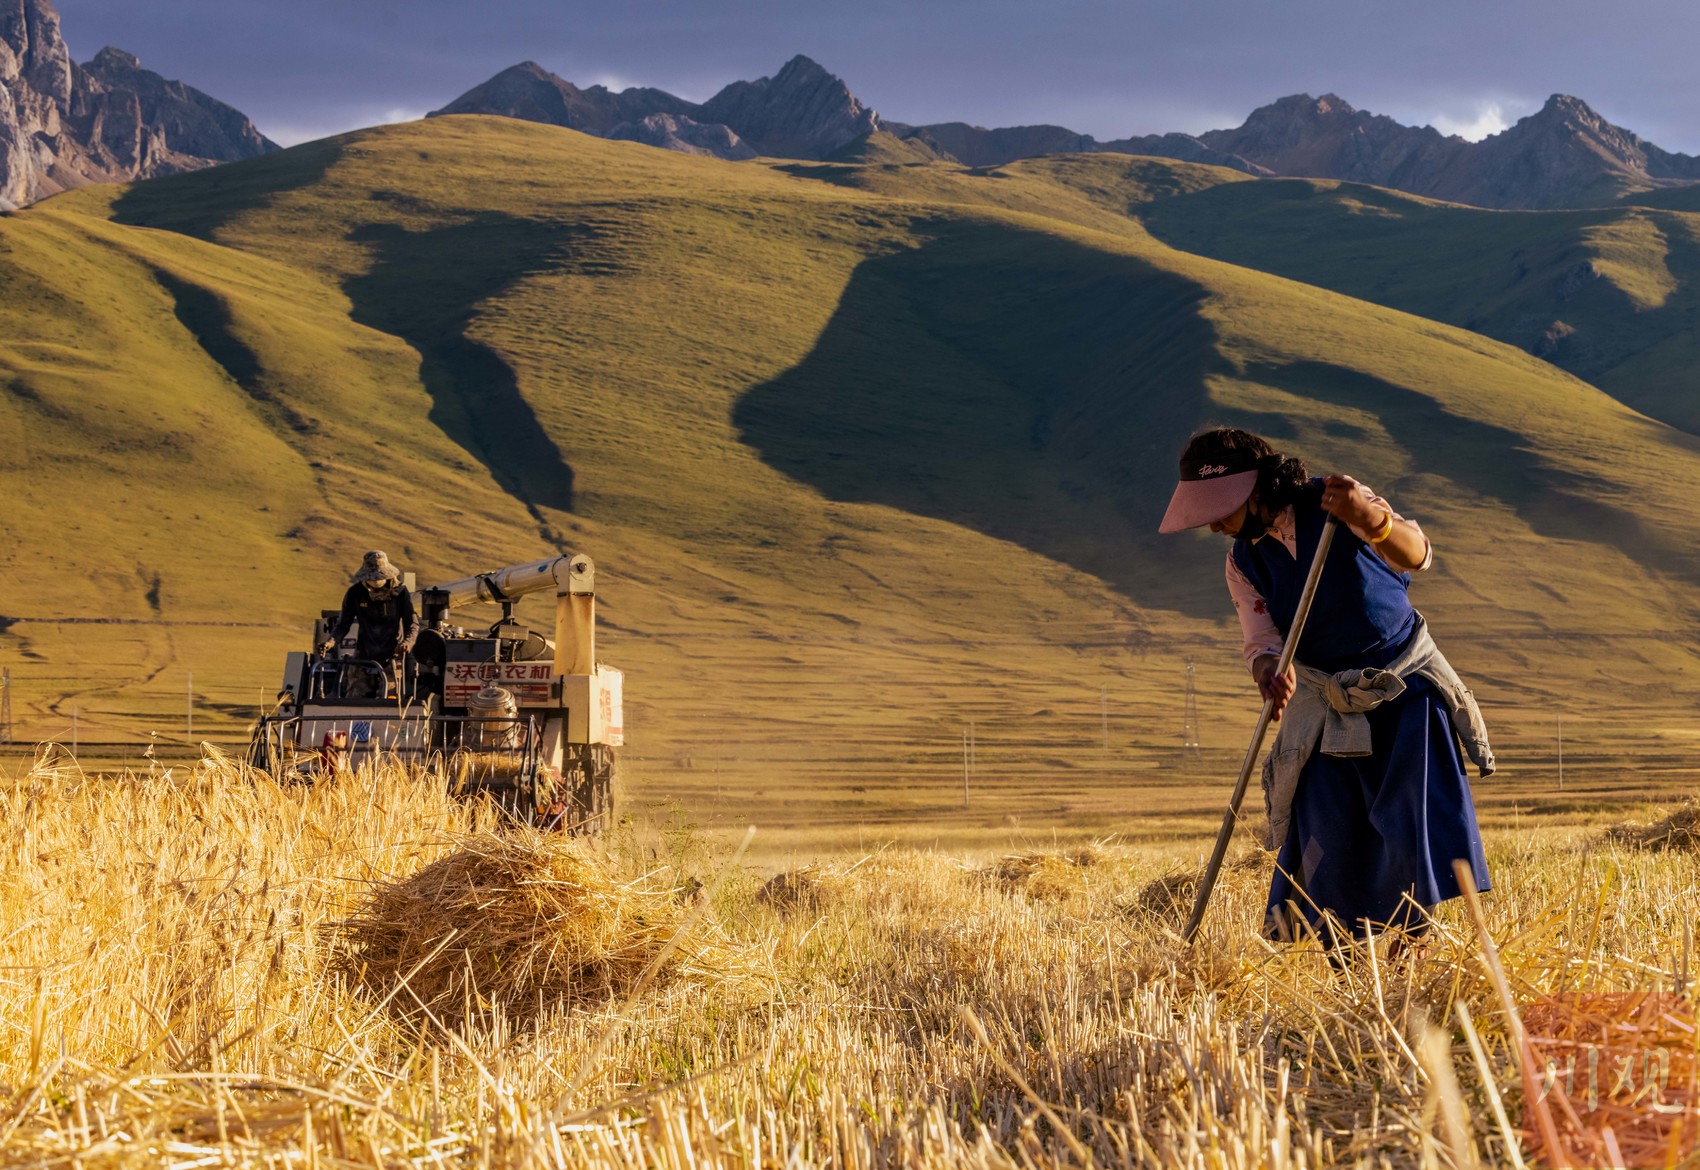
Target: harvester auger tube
<point>530,720</point>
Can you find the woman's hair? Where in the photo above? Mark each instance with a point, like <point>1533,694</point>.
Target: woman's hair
<point>1280,478</point>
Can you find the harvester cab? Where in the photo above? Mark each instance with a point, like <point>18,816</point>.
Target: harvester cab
<point>530,719</point>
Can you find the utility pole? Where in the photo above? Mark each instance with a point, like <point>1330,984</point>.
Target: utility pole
<point>1189,719</point>
<point>6,705</point>
<point>964,767</point>
<point>73,729</point>
<point>189,710</point>
<point>967,759</point>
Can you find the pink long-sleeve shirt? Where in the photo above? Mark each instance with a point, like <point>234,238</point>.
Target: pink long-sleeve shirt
<point>1261,636</point>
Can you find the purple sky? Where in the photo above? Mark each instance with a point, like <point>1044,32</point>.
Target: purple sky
<point>305,68</point>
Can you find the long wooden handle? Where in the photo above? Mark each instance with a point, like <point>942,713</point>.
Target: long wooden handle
<point>1288,648</point>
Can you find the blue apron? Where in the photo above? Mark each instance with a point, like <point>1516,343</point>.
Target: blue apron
<point>1372,838</point>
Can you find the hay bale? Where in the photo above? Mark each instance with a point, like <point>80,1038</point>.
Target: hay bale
<point>796,889</point>
<point>1167,897</point>
<point>517,923</point>
<point>1679,832</point>
<point>1045,877</point>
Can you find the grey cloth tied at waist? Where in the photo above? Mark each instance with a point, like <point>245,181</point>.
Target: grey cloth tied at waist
<point>1328,711</point>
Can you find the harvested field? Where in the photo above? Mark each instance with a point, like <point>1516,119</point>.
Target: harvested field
<point>179,985</point>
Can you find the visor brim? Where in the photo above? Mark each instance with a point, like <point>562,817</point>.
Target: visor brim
<point>1198,502</point>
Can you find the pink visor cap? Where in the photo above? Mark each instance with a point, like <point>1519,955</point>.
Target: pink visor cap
<point>1209,490</point>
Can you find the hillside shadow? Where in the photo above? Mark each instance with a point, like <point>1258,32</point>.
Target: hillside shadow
<point>1664,389</point>
<point>1491,461</point>
<point>206,316</point>
<point>425,287</point>
<point>1037,391</point>
<point>1531,279</point>
<point>1015,383</point>
<point>201,202</point>
<point>839,174</point>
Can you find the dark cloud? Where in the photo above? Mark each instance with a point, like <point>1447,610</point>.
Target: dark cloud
<point>311,67</point>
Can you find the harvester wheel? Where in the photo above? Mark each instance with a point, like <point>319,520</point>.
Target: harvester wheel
<point>586,798</point>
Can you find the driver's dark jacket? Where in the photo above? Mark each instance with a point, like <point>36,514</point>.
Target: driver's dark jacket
<point>388,625</point>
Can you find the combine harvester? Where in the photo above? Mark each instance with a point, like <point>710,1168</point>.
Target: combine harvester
<point>532,721</point>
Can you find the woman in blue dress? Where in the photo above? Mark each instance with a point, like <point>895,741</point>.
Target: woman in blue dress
<point>1365,788</point>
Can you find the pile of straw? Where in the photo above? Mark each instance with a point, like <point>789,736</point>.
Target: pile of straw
<point>1680,831</point>
<point>1045,877</point>
<point>797,889</point>
<point>1168,897</point>
<point>517,924</point>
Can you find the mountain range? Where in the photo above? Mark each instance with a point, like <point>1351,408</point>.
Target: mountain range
<point>109,120</point>
<point>800,112</point>
<point>1563,155</point>
<point>63,124</point>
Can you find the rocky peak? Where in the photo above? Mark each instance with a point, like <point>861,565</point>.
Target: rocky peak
<point>32,50</point>
<point>133,120</point>
<point>1568,118</point>
<point>527,91</point>
<point>1281,125</point>
<point>1326,138</point>
<point>531,92</point>
<point>1566,155</point>
<point>1302,106</point>
<point>1563,106</point>
<point>802,71</point>
<point>1299,120</point>
<point>111,60</point>
<point>62,125</point>
<point>802,111</point>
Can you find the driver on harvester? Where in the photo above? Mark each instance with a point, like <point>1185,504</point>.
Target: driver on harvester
<point>383,609</point>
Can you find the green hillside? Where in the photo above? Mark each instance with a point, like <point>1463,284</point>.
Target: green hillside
<point>1683,198</point>
<point>1611,294</point>
<point>861,460</point>
<point>882,148</point>
<point>1089,190</point>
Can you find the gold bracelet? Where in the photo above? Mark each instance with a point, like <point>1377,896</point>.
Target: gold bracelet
<point>1383,530</point>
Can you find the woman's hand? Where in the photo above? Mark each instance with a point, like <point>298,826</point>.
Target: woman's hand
<point>1276,689</point>
<point>1403,546</point>
<point>1344,499</point>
